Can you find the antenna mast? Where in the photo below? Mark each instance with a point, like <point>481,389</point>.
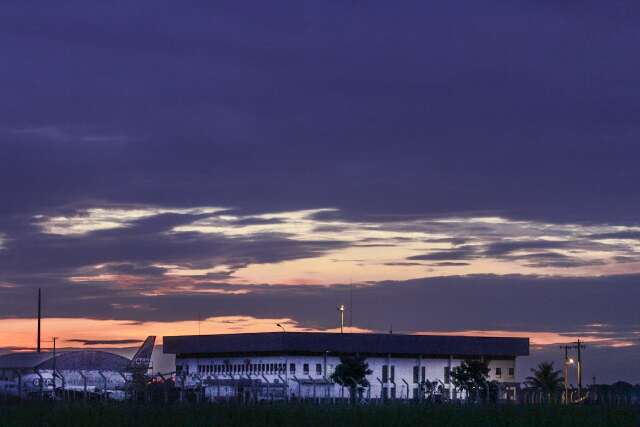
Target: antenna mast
<point>351,305</point>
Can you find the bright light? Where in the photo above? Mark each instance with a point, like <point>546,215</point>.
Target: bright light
<point>570,361</point>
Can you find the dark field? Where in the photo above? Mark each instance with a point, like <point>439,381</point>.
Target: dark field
<point>115,415</point>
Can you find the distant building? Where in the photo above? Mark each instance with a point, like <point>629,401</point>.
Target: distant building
<point>286,365</point>
<point>87,372</point>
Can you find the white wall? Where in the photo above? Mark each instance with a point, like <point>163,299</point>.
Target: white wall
<point>434,369</point>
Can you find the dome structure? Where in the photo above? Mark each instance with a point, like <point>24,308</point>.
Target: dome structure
<point>87,360</point>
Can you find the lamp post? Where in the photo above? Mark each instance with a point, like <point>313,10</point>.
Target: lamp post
<point>567,362</point>
<point>341,311</point>
<point>282,327</point>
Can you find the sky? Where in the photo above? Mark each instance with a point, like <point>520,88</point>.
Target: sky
<point>454,167</point>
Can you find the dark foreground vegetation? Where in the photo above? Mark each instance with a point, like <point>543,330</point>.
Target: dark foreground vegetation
<point>103,414</point>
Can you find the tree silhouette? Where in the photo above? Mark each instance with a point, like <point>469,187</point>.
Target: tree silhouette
<point>471,376</point>
<point>352,373</point>
<point>545,379</point>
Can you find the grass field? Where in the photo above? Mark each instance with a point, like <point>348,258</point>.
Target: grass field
<point>114,415</point>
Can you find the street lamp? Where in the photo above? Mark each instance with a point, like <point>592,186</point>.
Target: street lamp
<point>567,362</point>
<point>341,311</point>
<point>280,326</point>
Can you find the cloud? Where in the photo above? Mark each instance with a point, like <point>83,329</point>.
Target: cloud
<point>69,134</point>
<point>623,235</point>
<point>509,247</point>
<point>103,342</point>
<point>459,253</point>
<point>357,174</point>
<point>220,145</point>
<point>449,264</point>
<point>552,259</point>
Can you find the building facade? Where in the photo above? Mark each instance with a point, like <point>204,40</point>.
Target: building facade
<point>299,365</point>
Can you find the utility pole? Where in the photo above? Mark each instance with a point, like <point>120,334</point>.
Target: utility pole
<point>341,313</point>
<point>54,365</point>
<point>565,369</point>
<point>351,305</point>
<point>578,345</point>
<point>39,316</point>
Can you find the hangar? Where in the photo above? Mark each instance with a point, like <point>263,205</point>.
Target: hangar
<point>86,372</point>
<point>285,365</point>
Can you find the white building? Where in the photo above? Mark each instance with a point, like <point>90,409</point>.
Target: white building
<point>299,364</point>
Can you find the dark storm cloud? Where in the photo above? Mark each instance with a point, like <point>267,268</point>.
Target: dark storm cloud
<point>404,110</point>
<point>479,302</point>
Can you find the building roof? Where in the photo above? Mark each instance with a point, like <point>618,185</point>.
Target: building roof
<point>87,360</point>
<point>23,360</point>
<point>71,360</point>
<point>318,342</point>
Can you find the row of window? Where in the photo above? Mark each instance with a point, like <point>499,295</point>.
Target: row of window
<point>419,373</point>
<point>255,368</point>
<point>510,372</point>
<point>388,371</point>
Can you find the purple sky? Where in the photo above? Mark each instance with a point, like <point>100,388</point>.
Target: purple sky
<point>468,166</point>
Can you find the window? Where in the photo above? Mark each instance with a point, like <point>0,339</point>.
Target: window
<point>292,368</point>
<point>305,369</point>
<point>447,375</point>
<point>424,373</point>
<point>498,372</point>
<point>511,372</point>
<point>415,374</point>
<point>393,373</point>
<point>385,373</point>
<point>318,369</point>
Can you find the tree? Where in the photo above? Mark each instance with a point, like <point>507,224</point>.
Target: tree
<point>545,379</point>
<point>471,376</point>
<point>352,373</point>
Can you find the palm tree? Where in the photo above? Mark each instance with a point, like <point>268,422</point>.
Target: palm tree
<point>545,379</point>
